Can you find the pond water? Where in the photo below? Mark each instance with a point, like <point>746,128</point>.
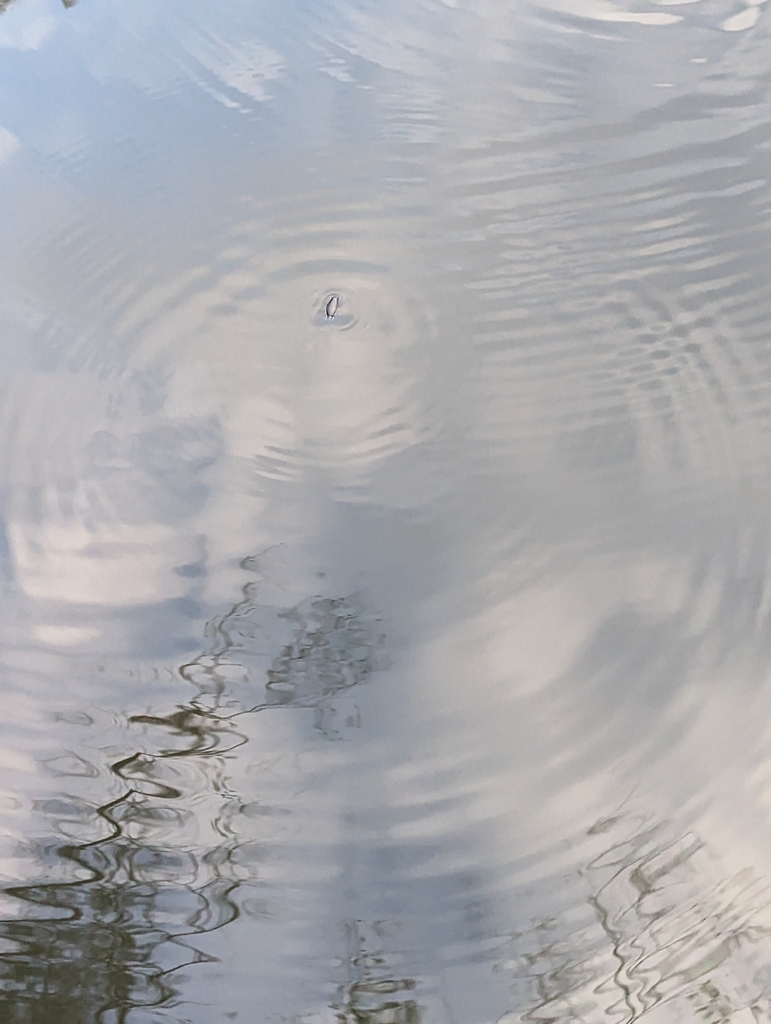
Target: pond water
<point>404,658</point>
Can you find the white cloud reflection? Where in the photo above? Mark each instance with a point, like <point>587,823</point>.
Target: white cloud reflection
<point>530,503</point>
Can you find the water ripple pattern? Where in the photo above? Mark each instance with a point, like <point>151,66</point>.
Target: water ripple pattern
<point>385,461</point>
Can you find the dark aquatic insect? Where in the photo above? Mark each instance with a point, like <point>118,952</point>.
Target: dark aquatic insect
<point>332,306</point>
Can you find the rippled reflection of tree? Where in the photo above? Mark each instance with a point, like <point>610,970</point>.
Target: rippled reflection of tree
<point>662,928</point>
<point>90,944</point>
<point>96,953</point>
<point>372,994</point>
<point>96,942</point>
<point>659,924</point>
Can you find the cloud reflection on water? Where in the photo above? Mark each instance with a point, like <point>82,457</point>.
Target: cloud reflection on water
<point>485,739</point>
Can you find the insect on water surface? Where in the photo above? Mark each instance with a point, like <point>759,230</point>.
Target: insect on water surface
<point>332,306</point>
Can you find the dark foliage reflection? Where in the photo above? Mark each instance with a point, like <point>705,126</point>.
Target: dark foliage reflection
<point>659,923</point>
<point>112,939</point>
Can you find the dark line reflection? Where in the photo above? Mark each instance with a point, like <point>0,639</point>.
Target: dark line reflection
<point>372,995</point>
<point>659,921</point>
<point>81,948</point>
<point>663,929</point>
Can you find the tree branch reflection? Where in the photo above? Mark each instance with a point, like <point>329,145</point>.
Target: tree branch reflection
<point>111,939</point>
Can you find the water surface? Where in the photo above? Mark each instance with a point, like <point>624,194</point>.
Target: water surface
<point>407,665</point>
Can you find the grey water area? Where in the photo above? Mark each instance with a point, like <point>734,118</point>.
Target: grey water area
<point>404,658</point>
